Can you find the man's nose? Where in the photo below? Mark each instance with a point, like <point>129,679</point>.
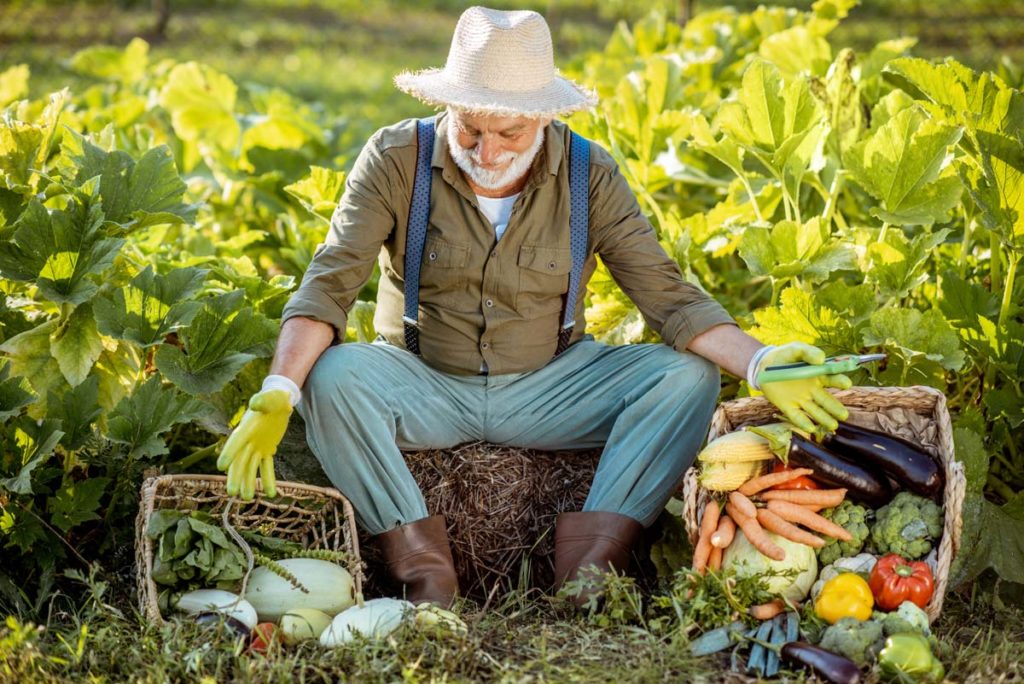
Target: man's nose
<point>489,150</point>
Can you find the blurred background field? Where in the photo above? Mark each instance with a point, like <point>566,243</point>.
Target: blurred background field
<point>343,53</point>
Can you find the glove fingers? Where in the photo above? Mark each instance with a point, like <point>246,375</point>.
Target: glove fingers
<point>830,403</point>
<point>267,476</point>
<point>229,452</point>
<point>809,353</point>
<point>235,471</point>
<point>797,418</point>
<point>820,415</point>
<point>839,381</point>
<point>248,488</point>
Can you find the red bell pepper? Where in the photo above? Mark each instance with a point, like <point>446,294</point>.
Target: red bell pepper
<point>895,580</point>
<point>802,482</point>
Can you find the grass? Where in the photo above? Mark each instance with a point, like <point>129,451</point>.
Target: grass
<point>523,637</point>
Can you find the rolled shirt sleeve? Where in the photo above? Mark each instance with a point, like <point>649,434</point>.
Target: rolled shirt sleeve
<point>676,309</point>
<point>361,223</point>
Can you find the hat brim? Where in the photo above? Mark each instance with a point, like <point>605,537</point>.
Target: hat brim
<point>562,96</point>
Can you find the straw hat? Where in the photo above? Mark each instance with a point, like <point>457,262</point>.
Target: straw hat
<point>499,63</point>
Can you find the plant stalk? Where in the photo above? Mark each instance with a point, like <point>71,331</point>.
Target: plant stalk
<point>1013,260</point>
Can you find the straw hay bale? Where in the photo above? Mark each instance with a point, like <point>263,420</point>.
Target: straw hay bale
<point>500,504</point>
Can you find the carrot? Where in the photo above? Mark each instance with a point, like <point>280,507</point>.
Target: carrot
<point>715,559</point>
<point>767,611</point>
<point>724,534</point>
<point>826,497</point>
<point>773,523</point>
<point>757,484</point>
<point>755,533</point>
<point>796,513</point>
<point>708,525</point>
<point>743,504</point>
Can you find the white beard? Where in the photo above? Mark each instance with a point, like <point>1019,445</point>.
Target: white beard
<point>469,161</point>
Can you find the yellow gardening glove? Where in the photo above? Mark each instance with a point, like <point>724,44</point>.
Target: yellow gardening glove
<point>800,401</point>
<point>250,448</point>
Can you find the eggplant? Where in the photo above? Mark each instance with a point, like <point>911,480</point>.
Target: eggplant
<point>830,666</point>
<point>864,484</point>
<point>910,466</point>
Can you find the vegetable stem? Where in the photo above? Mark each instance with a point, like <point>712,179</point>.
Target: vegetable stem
<point>883,231</point>
<point>197,456</point>
<point>1011,274</point>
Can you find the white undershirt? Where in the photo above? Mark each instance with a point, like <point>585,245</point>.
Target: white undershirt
<point>497,210</point>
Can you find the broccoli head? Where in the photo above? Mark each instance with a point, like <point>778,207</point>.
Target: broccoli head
<point>854,519</point>
<point>907,526</point>
<point>853,638</point>
<point>907,618</point>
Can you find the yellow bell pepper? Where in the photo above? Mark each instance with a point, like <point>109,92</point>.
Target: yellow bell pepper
<point>845,595</point>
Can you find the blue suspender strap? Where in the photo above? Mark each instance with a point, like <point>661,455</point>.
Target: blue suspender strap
<point>416,232</point>
<point>579,218</point>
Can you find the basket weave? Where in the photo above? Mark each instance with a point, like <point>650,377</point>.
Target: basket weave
<point>925,401</point>
<point>314,517</point>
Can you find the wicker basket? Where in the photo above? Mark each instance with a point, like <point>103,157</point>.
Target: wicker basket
<point>315,517</point>
<point>924,401</point>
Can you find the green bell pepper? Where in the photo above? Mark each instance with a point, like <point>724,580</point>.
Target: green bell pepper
<point>908,657</point>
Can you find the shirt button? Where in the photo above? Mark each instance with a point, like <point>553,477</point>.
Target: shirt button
<point>485,345</point>
<point>552,265</point>
<point>432,256</point>
<point>489,303</point>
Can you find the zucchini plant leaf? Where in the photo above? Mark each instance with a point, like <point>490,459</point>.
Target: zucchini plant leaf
<point>76,344</point>
<point>77,409</point>
<point>77,502</point>
<point>15,392</point>
<point>914,334</point>
<point>58,250</point>
<point>13,84</point>
<point>905,166</point>
<point>112,64</point>
<point>962,301</point>
<point>150,306</point>
<point>30,357</point>
<point>797,51</point>
<point>897,264</point>
<point>319,192</point>
<point>201,102</point>
<point>36,442</point>
<point>220,340</point>
<point>993,537</point>
<point>134,194</point>
<point>138,420</point>
<point>800,318</point>
<point>996,184</point>
<point>789,250</point>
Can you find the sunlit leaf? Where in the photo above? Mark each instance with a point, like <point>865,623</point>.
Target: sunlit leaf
<point>139,420</point>
<point>150,306</point>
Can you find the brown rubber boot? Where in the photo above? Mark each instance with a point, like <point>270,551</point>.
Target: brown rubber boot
<point>592,538</point>
<point>418,555</point>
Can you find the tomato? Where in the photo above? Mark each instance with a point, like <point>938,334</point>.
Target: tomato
<point>264,636</point>
<point>802,482</point>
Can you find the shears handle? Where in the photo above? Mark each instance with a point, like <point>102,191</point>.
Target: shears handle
<point>799,371</point>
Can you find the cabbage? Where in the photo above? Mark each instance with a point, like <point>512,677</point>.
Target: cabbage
<point>742,558</point>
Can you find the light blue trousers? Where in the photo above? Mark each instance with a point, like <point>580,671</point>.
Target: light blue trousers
<point>647,404</point>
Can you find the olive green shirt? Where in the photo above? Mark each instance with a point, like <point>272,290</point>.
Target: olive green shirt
<point>481,299</point>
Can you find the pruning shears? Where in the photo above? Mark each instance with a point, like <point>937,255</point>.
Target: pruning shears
<point>832,365</point>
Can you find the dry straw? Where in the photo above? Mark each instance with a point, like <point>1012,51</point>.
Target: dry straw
<point>314,517</point>
<point>894,404</point>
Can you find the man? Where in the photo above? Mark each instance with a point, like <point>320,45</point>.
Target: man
<point>483,354</point>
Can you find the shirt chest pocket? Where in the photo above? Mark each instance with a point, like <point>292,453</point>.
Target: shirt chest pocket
<point>543,279</point>
<point>443,276</point>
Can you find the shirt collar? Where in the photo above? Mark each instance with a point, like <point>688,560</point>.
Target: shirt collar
<point>549,158</point>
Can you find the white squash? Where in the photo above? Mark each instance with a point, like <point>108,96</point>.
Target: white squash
<point>330,588</point>
<point>375,619</point>
<point>217,601</point>
<point>301,624</point>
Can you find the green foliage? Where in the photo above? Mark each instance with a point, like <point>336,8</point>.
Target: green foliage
<point>898,189</point>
